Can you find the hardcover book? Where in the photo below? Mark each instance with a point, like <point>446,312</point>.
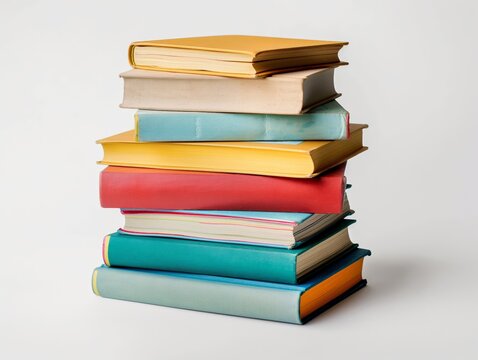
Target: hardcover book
<point>265,228</point>
<point>255,299</point>
<point>301,159</point>
<point>139,188</point>
<point>156,90</point>
<point>227,259</point>
<point>327,122</point>
<point>234,55</point>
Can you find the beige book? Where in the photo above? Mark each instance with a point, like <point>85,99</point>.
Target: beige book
<point>237,228</point>
<point>289,93</point>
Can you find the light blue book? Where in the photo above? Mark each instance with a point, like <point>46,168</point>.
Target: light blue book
<point>248,298</point>
<point>327,122</point>
<point>278,229</point>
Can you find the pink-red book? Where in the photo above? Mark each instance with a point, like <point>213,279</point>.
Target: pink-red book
<point>138,188</point>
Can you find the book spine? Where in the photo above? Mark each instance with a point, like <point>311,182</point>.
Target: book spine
<point>328,124</point>
<point>198,293</point>
<point>200,257</point>
<point>216,191</point>
<point>201,94</point>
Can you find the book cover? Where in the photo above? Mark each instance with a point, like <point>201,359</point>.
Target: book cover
<point>157,90</point>
<point>247,298</point>
<point>235,260</point>
<point>327,122</point>
<point>302,159</point>
<point>284,229</point>
<point>233,55</point>
<point>139,188</point>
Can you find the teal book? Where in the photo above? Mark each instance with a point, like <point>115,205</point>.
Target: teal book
<point>247,298</point>
<point>228,259</point>
<point>327,122</point>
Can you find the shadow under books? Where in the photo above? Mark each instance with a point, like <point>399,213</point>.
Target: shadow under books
<point>386,278</point>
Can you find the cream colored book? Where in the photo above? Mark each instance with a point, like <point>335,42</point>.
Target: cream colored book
<point>299,159</point>
<point>288,94</point>
<point>260,228</point>
<point>234,55</point>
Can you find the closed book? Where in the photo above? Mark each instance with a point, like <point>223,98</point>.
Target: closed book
<point>327,122</point>
<point>233,55</point>
<point>248,298</point>
<point>302,159</point>
<point>227,259</point>
<point>289,93</point>
<point>137,188</point>
<point>284,229</point>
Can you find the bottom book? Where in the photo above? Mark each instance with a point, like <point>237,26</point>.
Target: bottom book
<point>255,299</point>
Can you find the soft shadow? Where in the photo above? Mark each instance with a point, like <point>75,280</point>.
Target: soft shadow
<point>387,278</point>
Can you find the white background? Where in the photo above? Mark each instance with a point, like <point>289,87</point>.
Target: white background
<point>412,77</point>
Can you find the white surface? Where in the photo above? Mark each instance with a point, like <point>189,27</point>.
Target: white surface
<point>412,77</point>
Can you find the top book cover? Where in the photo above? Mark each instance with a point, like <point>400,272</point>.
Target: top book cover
<point>240,56</point>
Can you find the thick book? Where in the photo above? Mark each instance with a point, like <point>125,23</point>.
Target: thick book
<point>327,122</point>
<point>227,259</point>
<point>283,229</point>
<point>247,298</point>
<point>138,188</point>
<point>301,159</point>
<point>234,55</point>
<point>289,93</point>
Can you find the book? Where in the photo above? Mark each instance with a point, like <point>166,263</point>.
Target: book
<point>301,159</point>
<point>248,298</point>
<point>327,122</point>
<point>255,227</point>
<point>235,260</point>
<point>141,188</point>
<point>233,55</point>
<point>155,90</point>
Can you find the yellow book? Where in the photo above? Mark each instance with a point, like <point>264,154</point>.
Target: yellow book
<point>299,159</point>
<point>234,55</point>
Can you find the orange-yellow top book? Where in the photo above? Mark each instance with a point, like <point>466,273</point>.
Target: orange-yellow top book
<point>234,55</point>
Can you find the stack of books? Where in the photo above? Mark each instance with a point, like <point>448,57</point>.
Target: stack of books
<point>232,183</point>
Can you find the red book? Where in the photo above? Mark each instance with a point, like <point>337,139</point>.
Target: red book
<point>138,188</point>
